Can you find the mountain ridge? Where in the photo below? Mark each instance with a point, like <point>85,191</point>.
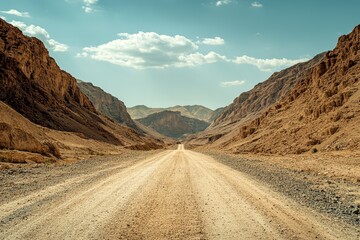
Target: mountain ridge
<point>34,86</point>
<point>107,104</point>
<point>318,111</point>
<point>193,111</point>
<point>173,124</point>
<point>115,109</point>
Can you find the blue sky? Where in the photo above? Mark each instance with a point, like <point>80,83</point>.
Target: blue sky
<point>162,53</point>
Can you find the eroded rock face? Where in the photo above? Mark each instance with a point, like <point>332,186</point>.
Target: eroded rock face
<point>34,85</point>
<point>107,104</point>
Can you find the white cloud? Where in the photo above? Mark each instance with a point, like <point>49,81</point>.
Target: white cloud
<point>33,30</point>
<point>272,64</point>
<point>222,2</point>
<point>18,24</point>
<point>199,59</point>
<point>151,50</point>
<point>256,5</point>
<point>90,2</point>
<point>37,31</point>
<point>232,83</point>
<point>212,41</point>
<point>17,13</point>
<point>58,47</point>
<point>89,5</point>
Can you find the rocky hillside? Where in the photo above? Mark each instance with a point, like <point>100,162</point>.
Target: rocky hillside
<point>33,85</point>
<point>311,106</point>
<point>115,109</point>
<point>217,112</point>
<point>173,124</point>
<point>266,93</point>
<point>107,104</point>
<point>194,111</point>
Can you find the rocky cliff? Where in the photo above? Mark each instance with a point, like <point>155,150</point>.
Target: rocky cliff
<point>107,104</point>
<point>311,106</point>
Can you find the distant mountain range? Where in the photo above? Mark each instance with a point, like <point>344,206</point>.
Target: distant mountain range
<point>194,111</point>
<point>173,124</point>
<point>159,122</point>
<point>116,110</point>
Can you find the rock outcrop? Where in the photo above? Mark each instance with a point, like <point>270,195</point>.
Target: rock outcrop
<point>107,104</point>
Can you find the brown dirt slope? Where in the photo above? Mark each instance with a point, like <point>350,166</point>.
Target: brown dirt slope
<point>318,110</point>
<point>23,141</point>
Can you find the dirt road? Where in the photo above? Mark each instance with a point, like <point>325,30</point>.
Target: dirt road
<point>177,194</point>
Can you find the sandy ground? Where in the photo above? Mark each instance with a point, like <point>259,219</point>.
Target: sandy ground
<point>173,194</point>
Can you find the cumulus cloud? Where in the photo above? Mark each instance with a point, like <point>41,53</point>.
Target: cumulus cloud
<point>212,41</point>
<point>33,30</point>
<point>222,2</point>
<point>89,5</point>
<point>256,5</point>
<point>37,31</point>
<point>272,64</point>
<point>232,83</point>
<point>151,50</point>
<point>57,47</point>
<point>195,59</point>
<point>17,13</point>
<point>18,24</point>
